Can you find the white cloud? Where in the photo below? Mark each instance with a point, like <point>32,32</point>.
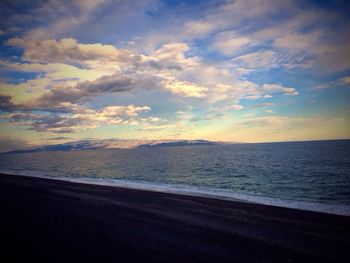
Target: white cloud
<point>239,90</point>
<point>171,68</point>
<point>261,59</point>
<point>294,41</point>
<point>185,88</point>
<point>67,50</point>
<point>341,82</point>
<point>230,42</point>
<point>277,88</point>
<point>115,111</point>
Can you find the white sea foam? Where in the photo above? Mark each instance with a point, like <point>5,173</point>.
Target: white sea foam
<point>220,194</point>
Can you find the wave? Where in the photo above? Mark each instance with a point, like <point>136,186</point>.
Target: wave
<point>337,209</point>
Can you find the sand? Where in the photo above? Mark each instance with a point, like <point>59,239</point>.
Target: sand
<point>56,221</point>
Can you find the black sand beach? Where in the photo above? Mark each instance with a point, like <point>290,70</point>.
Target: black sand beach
<point>57,221</point>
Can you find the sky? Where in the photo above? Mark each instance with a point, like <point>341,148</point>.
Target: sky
<point>241,71</point>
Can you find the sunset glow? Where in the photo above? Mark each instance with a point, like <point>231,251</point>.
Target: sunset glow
<point>247,71</point>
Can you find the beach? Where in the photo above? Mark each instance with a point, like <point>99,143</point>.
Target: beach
<point>58,221</point>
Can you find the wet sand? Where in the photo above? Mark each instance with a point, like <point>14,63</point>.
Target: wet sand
<point>56,221</point>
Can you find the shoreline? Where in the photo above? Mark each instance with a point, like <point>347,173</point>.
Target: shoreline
<point>51,220</point>
<point>326,208</point>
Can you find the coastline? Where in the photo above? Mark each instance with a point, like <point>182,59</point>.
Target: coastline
<point>218,194</point>
<point>55,220</point>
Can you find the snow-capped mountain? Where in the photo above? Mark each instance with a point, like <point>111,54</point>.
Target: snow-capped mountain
<point>115,144</point>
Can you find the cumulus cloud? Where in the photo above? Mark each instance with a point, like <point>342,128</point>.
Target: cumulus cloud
<point>68,77</point>
<point>185,88</point>
<point>172,56</point>
<point>168,68</point>
<point>128,70</point>
<point>67,50</point>
<point>129,111</point>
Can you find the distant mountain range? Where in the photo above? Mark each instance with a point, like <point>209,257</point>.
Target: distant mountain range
<point>115,144</point>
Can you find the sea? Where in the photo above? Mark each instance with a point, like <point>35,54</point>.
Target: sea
<point>311,175</point>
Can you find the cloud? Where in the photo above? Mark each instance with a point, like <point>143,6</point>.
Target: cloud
<point>282,124</point>
<point>262,59</point>
<point>261,105</point>
<point>172,51</point>
<point>245,9</point>
<point>235,92</point>
<point>225,16</point>
<point>276,88</point>
<point>129,111</point>
<point>68,62</point>
<point>304,41</point>
<point>247,90</point>
<point>230,42</point>
<point>5,102</point>
<point>62,97</point>
<point>50,122</point>
<point>67,50</point>
<point>125,70</point>
<point>58,138</point>
<point>168,68</point>
<point>318,47</point>
<point>237,107</point>
<point>82,119</point>
<point>185,88</point>
<point>341,82</point>
<point>345,81</point>
<point>55,18</point>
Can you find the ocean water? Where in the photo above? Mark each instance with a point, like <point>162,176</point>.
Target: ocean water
<point>305,175</point>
